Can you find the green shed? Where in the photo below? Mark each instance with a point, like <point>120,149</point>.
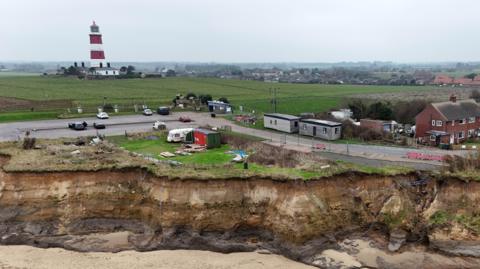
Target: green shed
<point>207,138</point>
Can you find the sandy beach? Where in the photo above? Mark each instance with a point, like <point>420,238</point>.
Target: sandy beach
<point>20,257</point>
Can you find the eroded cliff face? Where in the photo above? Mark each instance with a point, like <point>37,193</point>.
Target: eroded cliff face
<point>132,209</point>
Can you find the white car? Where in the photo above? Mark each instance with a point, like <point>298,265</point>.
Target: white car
<point>159,125</point>
<point>102,115</point>
<point>147,112</point>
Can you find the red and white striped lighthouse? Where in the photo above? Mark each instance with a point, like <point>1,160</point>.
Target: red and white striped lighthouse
<point>97,56</point>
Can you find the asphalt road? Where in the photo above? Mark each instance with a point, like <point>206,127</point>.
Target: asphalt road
<point>118,125</point>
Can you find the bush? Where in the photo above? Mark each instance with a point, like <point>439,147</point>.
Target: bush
<point>458,164</point>
<point>190,95</point>
<point>475,95</point>
<point>108,108</point>
<point>29,142</point>
<point>367,134</point>
<point>350,130</point>
<point>204,98</point>
<point>223,99</point>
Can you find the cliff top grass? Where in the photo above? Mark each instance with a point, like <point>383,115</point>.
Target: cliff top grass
<point>69,155</point>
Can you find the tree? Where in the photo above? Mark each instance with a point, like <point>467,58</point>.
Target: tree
<point>71,71</point>
<point>358,108</point>
<point>171,73</point>
<point>380,111</point>
<point>123,69</point>
<point>223,99</point>
<point>204,98</point>
<point>405,112</point>
<point>130,69</point>
<point>475,95</point>
<point>190,95</point>
<point>471,76</point>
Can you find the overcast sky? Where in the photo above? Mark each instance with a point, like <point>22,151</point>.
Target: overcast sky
<point>243,30</point>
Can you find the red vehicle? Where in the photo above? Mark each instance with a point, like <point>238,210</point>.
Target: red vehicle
<point>184,119</point>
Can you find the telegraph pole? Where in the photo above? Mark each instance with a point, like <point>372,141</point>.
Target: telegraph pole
<point>273,91</point>
<point>275,100</point>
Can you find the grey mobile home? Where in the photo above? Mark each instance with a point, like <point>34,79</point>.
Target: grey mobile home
<point>328,130</point>
<point>281,122</point>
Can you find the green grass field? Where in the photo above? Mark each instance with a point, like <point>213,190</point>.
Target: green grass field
<point>253,95</point>
<point>155,147</point>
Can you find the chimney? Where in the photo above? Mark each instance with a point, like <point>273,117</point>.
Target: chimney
<point>453,98</point>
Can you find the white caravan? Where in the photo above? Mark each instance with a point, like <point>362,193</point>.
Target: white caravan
<point>178,135</point>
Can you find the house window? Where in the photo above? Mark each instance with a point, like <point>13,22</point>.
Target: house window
<point>439,123</point>
<point>433,122</point>
<point>270,121</point>
<point>462,121</point>
<point>304,126</point>
<point>324,130</point>
<point>275,122</point>
<point>336,130</point>
<point>433,138</point>
<point>470,132</point>
<point>106,72</point>
<point>461,135</point>
<point>471,119</point>
<point>295,124</point>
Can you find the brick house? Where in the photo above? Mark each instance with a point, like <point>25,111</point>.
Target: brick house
<point>449,122</point>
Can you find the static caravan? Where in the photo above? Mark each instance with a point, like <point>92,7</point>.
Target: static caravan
<point>324,129</point>
<point>281,122</point>
<point>178,135</point>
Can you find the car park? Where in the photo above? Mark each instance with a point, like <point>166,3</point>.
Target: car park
<point>147,112</point>
<point>102,115</point>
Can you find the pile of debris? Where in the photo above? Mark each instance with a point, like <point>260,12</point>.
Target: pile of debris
<point>185,150</point>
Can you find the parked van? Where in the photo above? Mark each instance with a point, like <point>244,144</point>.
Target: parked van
<point>163,110</point>
<point>178,135</point>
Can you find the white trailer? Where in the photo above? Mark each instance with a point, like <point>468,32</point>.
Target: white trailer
<point>178,135</point>
<point>281,122</point>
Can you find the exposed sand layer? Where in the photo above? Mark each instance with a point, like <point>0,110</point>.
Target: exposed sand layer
<point>20,257</point>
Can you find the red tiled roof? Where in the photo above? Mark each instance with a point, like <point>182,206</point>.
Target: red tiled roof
<point>442,79</point>
<point>464,81</point>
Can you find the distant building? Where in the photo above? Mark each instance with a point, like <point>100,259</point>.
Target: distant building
<point>442,79</point>
<point>328,130</point>
<point>97,55</point>
<point>448,122</point>
<point>447,80</point>
<point>219,107</point>
<point>281,122</point>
